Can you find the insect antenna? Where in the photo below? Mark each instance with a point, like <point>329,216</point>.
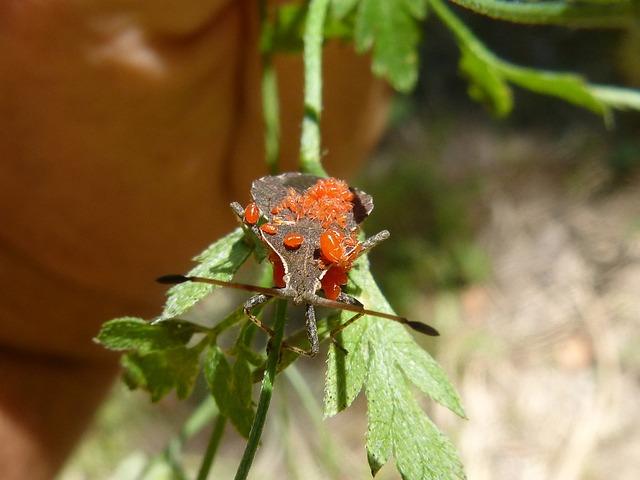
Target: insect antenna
<point>417,326</point>
<point>174,279</point>
<point>420,327</point>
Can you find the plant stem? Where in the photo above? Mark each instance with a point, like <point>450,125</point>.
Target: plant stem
<point>596,15</point>
<point>212,447</point>
<point>313,37</point>
<point>265,392</point>
<point>269,93</point>
<point>313,408</point>
<point>196,422</point>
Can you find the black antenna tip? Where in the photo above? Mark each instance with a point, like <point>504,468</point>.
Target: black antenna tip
<point>172,279</point>
<point>423,328</point>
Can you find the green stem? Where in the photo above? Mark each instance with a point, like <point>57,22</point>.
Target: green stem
<point>196,422</point>
<point>617,97</point>
<point>265,393</point>
<point>614,14</point>
<point>313,408</point>
<point>567,86</point>
<point>212,447</point>
<point>269,92</point>
<point>310,161</point>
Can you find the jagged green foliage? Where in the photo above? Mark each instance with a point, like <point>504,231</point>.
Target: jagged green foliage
<point>391,29</point>
<point>220,261</point>
<point>231,387</point>
<point>161,371</point>
<point>385,360</point>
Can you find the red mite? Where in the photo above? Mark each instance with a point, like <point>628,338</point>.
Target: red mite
<point>251,214</point>
<point>269,228</point>
<point>311,232</point>
<point>293,240</point>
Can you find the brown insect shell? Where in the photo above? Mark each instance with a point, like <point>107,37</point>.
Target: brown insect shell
<point>267,192</point>
<point>303,271</point>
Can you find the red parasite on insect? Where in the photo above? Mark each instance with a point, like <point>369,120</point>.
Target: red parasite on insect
<point>311,232</point>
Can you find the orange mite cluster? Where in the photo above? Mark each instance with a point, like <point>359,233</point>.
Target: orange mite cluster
<point>329,202</point>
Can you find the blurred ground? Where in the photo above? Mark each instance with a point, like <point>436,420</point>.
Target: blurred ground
<point>523,248</point>
<point>545,349</point>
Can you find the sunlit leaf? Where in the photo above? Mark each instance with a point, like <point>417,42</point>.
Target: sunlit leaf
<point>385,359</point>
<point>220,261</point>
<point>391,28</point>
<point>231,388</point>
<point>586,13</point>
<point>486,84</point>
<point>161,371</point>
<point>131,333</point>
<point>489,75</point>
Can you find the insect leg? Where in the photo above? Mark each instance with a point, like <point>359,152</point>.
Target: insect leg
<point>344,298</point>
<point>253,302</point>
<point>351,300</point>
<point>312,329</point>
<point>372,241</point>
<point>312,332</point>
<point>238,210</point>
<point>367,245</point>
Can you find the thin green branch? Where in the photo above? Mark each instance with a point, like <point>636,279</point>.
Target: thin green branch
<point>616,14</point>
<point>200,418</point>
<point>617,97</point>
<point>269,92</point>
<point>567,86</point>
<point>212,447</point>
<point>313,408</point>
<point>462,33</point>
<point>310,141</point>
<point>196,422</point>
<point>265,393</point>
<point>296,339</point>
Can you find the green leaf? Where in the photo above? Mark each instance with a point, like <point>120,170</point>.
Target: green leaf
<point>567,86</point>
<point>489,75</point>
<point>486,85</point>
<point>286,32</point>
<point>220,261</point>
<point>392,29</point>
<point>131,333</point>
<point>617,97</point>
<point>615,13</point>
<point>288,28</point>
<point>384,357</point>
<point>161,371</point>
<point>399,427</point>
<point>231,388</point>
<point>341,8</point>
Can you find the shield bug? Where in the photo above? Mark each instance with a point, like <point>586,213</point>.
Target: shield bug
<point>310,227</point>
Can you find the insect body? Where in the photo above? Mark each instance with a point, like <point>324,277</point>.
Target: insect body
<point>310,227</point>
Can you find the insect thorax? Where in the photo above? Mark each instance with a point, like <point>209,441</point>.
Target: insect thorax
<point>303,266</point>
